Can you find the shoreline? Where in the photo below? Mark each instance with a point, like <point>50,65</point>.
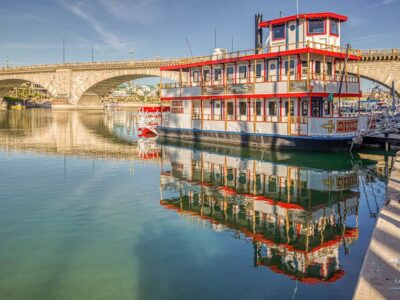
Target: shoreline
<point>380,273</point>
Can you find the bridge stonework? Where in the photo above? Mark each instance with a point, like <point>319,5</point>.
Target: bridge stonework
<point>82,83</point>
<point>381,66</point>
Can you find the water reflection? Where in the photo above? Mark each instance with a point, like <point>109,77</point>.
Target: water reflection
<point>296,217</point>
<point>74,133</point>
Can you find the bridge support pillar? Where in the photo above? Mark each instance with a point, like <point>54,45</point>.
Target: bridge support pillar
<point>90,99</point>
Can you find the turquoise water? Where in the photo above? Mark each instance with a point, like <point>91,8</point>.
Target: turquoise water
<point>89,211</point>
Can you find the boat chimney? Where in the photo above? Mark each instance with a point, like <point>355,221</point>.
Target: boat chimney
<point>258,33</point>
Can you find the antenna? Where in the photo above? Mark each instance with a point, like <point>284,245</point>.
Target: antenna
<point>215,37</point>
<point>280,14</point>
<point>232,43</point>
<point>297,3</point>
<point>92,52</point>
<point>190,48</point>
<point>63,41</point>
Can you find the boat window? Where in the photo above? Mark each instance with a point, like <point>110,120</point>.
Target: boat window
<point>258,107</point>
<point>291,108</point>
<point>259,70</point>
<point>334,27</point>
<point>206,75</point>
<point>304,67</point>
<point>327,108</point>
<point>291,67</point>
<point>316,26</point>
<point>272,184</point>
<point>272,108</point>
<point>304,108</point>
<point>217,74</point>
<point>278,32</point>
<point>229,72</point>
<point>229,108</point>
<point>317,67</point>
<point>196,76</point>
<point>242,108</point>
<point>316,108</point>
<point>329,68</point>
<point>242,72</point>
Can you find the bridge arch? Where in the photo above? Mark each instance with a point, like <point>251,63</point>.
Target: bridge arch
<point>7,84</point>
<point>91,86</point>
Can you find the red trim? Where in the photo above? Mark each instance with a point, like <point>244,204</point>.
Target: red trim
<point>341,18</point>
<point>262,56</point>
<point>313,34</point>
<point>289,95</point>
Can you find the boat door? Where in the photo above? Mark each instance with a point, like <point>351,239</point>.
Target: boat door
<point>272,70</point>
<point>217,109</point>
<point>317,107</point>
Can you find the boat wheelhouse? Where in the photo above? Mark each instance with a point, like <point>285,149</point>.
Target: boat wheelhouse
<point>284,93</point>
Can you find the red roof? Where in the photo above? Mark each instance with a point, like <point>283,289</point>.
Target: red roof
<point>304,16</point>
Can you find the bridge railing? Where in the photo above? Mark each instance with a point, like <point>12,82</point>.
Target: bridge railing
<point>156,62</point>
<point>379,52</point>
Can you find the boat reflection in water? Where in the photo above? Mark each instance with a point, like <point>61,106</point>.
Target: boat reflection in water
<point>297,217</point>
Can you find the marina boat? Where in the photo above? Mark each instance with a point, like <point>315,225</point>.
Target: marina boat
<point>285,93</point>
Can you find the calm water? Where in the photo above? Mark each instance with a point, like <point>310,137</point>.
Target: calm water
<point>89,211</point>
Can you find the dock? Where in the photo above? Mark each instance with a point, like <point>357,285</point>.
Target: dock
<point>392,139</point>
<point>380,273</point>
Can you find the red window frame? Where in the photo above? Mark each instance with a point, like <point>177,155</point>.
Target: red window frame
<point>330,28</point>
<point>308,27</point>
<point>284,31</point>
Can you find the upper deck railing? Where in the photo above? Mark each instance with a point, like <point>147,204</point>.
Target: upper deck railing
<point>270,49</point>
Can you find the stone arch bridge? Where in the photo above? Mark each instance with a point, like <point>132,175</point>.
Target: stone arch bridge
<point>381,66</point>
<point>85,83</point>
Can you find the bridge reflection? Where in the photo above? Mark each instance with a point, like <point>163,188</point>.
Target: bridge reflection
<point>300,217</point>
<point>73,133</point>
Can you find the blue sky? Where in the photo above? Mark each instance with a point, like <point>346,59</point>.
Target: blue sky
<point>32,30</point>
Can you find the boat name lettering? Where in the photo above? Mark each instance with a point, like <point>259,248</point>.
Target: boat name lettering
<point>298,86</point>
<point>213,90</point>
<point>177,107</point>
<point>347,125</point>
<point>240,88</point>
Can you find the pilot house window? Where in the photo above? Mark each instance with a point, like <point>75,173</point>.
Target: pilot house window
<point>316,26</point>
<point>334,27</point>
<point>278,32</point>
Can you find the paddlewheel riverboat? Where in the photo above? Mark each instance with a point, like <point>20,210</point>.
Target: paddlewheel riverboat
<point>286,93</point>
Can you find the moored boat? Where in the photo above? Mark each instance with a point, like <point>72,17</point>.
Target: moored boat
<point>285,93</point>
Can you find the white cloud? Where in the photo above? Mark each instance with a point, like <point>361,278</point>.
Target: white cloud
<point>140,11</point>
<point>386,2</point>
<point>107,36</point>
